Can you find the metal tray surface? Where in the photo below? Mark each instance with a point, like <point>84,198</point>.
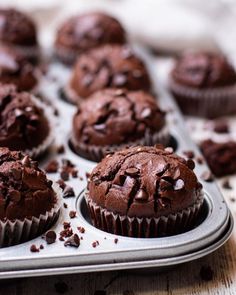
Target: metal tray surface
<point>212,231</point>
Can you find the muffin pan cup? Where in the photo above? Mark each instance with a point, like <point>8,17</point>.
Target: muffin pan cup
<point>102,251</point>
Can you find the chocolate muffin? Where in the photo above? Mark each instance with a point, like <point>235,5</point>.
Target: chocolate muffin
<point>14,68</point>
<point>28,202</point>
<point>144,192</point>
<point>220,156</point>
<point>18,30</point>
<point>23,125</point>
<point>204,84</point>
<point>84,32</point>
<point>110,66</point>
<point>113,118</point>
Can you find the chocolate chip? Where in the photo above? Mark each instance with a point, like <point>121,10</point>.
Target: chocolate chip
<point>142,195</point>
<point>50,237</point>
<point>64,175</point>
<point>119,80</point>
<point>34,249</point>
<point>207,176</point>
<point>190,164</point>
<point>81,229</point>
<point>41,247</point>
<point>52,167</point>
<point>132,171</point>
<point>68,192</point>
<point>189,154</point>
<point>226,184</point>
<point>199,160</point>
<point>179,185</point>
<point>73,241</point>
<point>95,244</point>
<point>165,185</point>
<point>206,273</point>
<point>61,287</point>
<point>72,214</point>
<point>221,126</point>
<point>61,149</point>
<point>146,113</point>
<point>26,161</point>
<point>61,183</point>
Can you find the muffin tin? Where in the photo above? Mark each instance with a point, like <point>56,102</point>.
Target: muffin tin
<point>115,252</point>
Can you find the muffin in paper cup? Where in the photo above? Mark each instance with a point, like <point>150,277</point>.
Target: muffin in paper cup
<point>26,122</point>
<point>204,84</point>
<point>29,203</point>
<point>144,192</point>
<point>112,119</point>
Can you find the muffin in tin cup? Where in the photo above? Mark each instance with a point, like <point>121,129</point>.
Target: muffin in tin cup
<point>144,192</point>
<point>112,119</point>
<point>29,202</point>
<point>204,84</point>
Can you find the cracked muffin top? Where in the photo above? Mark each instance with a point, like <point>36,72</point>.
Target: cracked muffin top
<point>17,28</point>
<point>25,190</point>
<point>203,70</point>
<point>144,182</point>
<point>116,116</point>
<point>22,123</point>
<point>109,66</point>
<point>87,31</point>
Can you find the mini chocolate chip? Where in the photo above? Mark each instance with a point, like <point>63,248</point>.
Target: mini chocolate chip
<point>199,160</point>
<point>119,79</point>
<point>41,247</point>
<point>61,149</point>
<point>146,113</point>
<point>64,175</point>
<point>50,237</point>
<point>226,184</point>
<point>34,249</point>
<point>61,183</point>
<point>68,192</point>
<point>26,161</point>
<point>65,205</point>
<point>179,185</point>
<point>189,154</point>
<point>115,240</point>
<point>132,171</point>
<point>165,185</point>
<point>73,241</point>
<point>207,176</point>
<point>142,195</point>
<point>190,164</point>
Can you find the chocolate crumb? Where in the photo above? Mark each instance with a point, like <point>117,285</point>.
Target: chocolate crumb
<point>226,184</point>
<point>61,287</point>
<point>66,225</point>
<point>81,229</point>
<point>115,240</point>
<point>65,205</point>
<point>95,244</point>
<point>74,173</point>
<point>50,237</point>
<point>34,249</point>
<point>72,214</point>
<point>52,166</point>
<point>207,176</point>
<point>61,184</point>
<point>73,241</point>
<point>206,273</point>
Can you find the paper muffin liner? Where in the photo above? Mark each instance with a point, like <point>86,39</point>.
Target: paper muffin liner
<point>65,55</point>
<point>47,142</point>
<point>96,153</point>
<point>146,227</point>
<point>209,103</point>
<point>20,231</point>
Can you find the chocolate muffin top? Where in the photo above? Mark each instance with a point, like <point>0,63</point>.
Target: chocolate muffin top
<point>220,156</point>
<point>203,70</point>
<point>24,188</point>
<point>110,66</point>
<point>14,68</point>
<point>116,116</point>
<point>17,28</point>
<point>86,31</point>
<point>144,182</point>
<point>22,123</point>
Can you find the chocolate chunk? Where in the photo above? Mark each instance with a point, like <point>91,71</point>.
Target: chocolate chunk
<point>34,249</point>
<point>73,241</point>
<point>142,195</point>
<point>132,171</point>
<point>207,176</point>
<point>52,166</point>
<point>115,240</point>
<point>61,183</point>
<point>41,247</point>
<point>65,205</point>
<point>50,237</point>
<point>61,149</point>
<point>61,287</point>
<point>68,192</point>
<point>206,273</point>
<point>81,229</point>
<point>179,185</point>
<point>72,214</point>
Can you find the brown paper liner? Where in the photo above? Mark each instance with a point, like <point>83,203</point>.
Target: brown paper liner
<point>96,153</point>
<point>209,103</point>
<point>19,231</point>
<point>151,227</point>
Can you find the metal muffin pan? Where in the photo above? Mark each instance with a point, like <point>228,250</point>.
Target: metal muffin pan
<point>213,229</point>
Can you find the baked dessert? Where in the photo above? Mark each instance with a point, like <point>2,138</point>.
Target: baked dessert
<point>220,156</point>
<point>16,69</point>
<point>114,118</point>
<point>204,84</point>
<point>23,124</point>
<point>83,32</point>
<point>144,192</point>
<point>18,30</point>
<point>110,66</point>
<point>28,202</point>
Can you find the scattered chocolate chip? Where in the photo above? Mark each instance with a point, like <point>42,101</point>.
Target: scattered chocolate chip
<point>142,195</point>
<point>132,171</point>
<point>207,176</point>
<point>68,192</point>
<point>74,173</point>
<point>66,225</point>
<point>73,241</point>
<point>95,244</point>
<point>61,149</point>
<point>190,164</point>
<point>41,247</point>
<point>206,273</point>
<point>64,175</point>
<point>61,287</point>
<point>50,237</point>
<point>72,214</point>
<point>226,184</point>
<point>52,166</point>
<point>65,205</point>
<point>179,185</point>
<point>199,160</point>
<point>221,126</point>
<point>115,240</point>
<point>81,229</point>
<point>189,154</point>
<point>34,249</point>
<point>61,184</point>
